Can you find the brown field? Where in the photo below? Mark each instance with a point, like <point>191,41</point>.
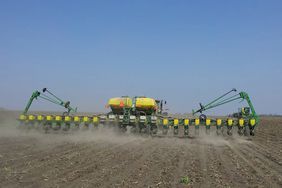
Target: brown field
<point>105,159</point>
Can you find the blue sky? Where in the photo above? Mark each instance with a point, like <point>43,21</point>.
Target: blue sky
<point>183,51</point>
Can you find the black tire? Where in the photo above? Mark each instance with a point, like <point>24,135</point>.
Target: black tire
<point>229,132</point>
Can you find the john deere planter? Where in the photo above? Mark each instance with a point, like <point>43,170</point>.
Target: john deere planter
<point>143,115</point>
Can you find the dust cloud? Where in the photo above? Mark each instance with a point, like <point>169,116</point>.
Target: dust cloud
<point>9,128</point>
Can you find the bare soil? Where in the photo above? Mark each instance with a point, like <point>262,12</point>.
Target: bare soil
<point>105,159</point>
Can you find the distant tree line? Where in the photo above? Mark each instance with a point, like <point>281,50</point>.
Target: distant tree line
<point>270,115</point>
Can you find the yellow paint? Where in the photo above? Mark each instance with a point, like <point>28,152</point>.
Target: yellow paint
<point>85,119</point>
<point>22,117</point>
<point>76,119</point>
<point>208,122</point>
<point>49,118</point>
<point>197,121</point>
<point>252,122</point>
<point>95,119</point>
<point>186,121</point>
<point>31,117</point>
<point>143,103</point>
<point>67,118</point>
<point>58,118</point>
<point>165,121</point>
<point>218,122</point>
<point>116,102</point>
<point>241,122</point>
<point>146,103</point>
<point>175,122</point>
<point>40,118</point>
<point>230,122</point>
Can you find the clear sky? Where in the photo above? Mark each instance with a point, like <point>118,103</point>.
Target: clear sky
<point>183,51</point>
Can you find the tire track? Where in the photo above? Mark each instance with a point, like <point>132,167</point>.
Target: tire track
<point>188,164</point>
<point>226,167</point>
<point>129,170</point>
<point>84,158</point>
<point>55,163</point>
<point>234,171</point>
<point>160,170</point>
<point>253,165</point>
<point>269,152</point>
<point>180,169</point>
<point>216,169</point>
<point>266,155</point>
<point>205,179</point>
<point>273,171</point>
<point>51,158</point>
<point>35,169</point>
<point>35,152</point>
<point>97,166</point>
